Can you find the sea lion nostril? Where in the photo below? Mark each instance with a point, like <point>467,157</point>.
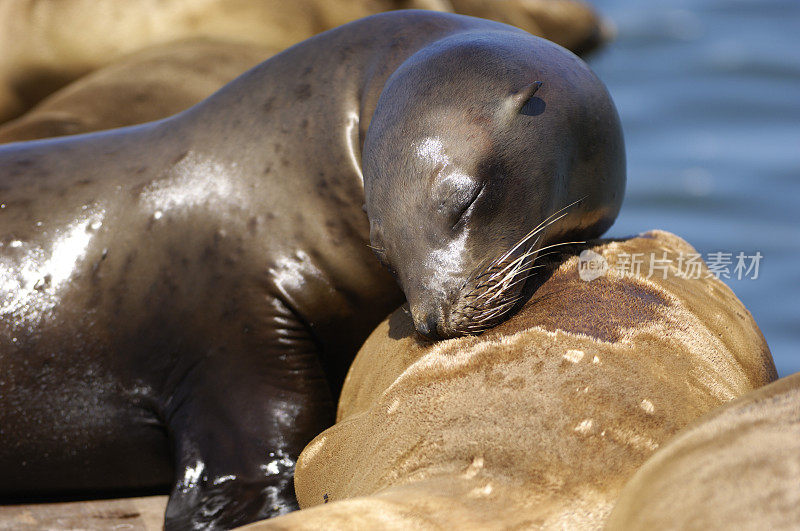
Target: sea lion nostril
<point>432,323</point>
<point>427,326</point>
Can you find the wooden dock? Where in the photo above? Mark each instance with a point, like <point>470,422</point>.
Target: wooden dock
<point>121,514</point>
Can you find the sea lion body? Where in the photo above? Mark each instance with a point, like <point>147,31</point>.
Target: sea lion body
<point>44,45</point>
<point>148,85</point>
<point>735,468</point>
<point>200,284</point>
<point>539,422</point>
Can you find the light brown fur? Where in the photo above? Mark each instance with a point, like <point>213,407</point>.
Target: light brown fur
<point>45,44</point>
<point>538,422</point>
<point>737,468</point>
<point>145,86</point>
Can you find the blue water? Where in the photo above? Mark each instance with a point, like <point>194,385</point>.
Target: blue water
<point>709,96</point>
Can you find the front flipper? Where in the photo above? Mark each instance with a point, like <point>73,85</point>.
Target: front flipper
<point>238,422</point>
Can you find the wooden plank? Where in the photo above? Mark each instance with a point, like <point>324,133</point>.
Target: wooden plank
<point>121,514</point>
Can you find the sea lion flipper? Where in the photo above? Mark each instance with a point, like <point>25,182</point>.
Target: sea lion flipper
<point>237,432</point>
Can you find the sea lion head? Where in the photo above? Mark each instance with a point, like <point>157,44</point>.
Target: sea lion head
<point>483,150</point>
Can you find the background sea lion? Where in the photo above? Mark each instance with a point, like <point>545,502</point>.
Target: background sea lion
<point>736,468</point>
<point>205,281</point>
<point>45,44</point>
<point>148,85</point>
<point>540,421</point>
<point>572,24</point>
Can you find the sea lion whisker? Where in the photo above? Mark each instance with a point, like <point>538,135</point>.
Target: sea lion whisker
<point>521,261</point>
<point>560,244</point>
<point>524,239</point>
<point>546,223</point>
<point>559,211</point>
<point>477,329</point>
<point>492,269</point>
<point>501,287</point>
<point>523,278</point>
<point>511,275</point>
<point>483,321</point>
<point>496,311</point>
<point>490,284</point>
<point>511,278</point>
<point>510,302</point>
<point>496,289</point>
<point>483,301</point>
<point>485,269</point>
<point>488,272</point>
<point>501,279</point>
<point>542,255</point>
<point>493,288</point>
<point>496,295</point>
<point>539,228</point>
<point>517,260</point>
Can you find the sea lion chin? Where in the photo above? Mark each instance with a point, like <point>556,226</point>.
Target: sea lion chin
<point>498,148</point>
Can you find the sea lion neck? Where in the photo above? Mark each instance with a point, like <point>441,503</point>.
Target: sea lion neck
<point>293,91</point>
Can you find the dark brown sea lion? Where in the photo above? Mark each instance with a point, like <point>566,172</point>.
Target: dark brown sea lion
<point>197,287</point>
<point>736,468</point>
<point>45,44</point>
<point>539,422</point>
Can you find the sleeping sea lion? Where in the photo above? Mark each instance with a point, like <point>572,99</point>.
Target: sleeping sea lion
<point>181,300</point>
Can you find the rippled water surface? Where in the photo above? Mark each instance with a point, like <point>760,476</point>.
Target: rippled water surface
<point>709,96</point>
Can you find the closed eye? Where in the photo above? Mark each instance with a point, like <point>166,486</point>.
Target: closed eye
<point>380,253</point>
<point>468,204</point>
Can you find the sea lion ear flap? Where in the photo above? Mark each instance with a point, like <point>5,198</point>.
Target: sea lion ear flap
<point>524,101</point>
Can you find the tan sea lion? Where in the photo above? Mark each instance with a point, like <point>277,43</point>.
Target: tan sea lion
<point>45,44</point>
<point>572,24</point>
<point>540,421</point>
<point>181,300</point>
<point>145,86</point>
<point>736,468</point>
